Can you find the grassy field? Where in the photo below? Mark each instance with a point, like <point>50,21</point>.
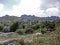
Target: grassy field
<point>31,39</point>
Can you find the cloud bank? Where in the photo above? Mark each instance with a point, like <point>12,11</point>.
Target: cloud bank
<point>41,8</point>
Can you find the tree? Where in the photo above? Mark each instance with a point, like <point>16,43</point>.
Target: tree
<point>47,26</point>
<point>14,27</point>
<point>1,27</point>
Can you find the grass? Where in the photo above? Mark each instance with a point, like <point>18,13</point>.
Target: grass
<point>34,40</point>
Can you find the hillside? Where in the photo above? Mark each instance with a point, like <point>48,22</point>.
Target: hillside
<point>23,31</point>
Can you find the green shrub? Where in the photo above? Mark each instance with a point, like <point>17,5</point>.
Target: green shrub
<point>47,26</point>
<point>14,27</point>
<point>35,26</point>
<point>29,30</point>
<point>20,31</point>
<point>1,27</point>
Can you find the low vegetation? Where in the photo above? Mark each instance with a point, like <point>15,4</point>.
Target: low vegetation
<point>45,32</point>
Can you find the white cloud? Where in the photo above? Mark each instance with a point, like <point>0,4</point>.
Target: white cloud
<point>30,7</point>
<point>48,12</point>
<point>1,7</point>
<point>52,11</point>
<point>26,7</point>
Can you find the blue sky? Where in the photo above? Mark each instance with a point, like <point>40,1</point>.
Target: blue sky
<point>41,8</point>
<point>9,3</point>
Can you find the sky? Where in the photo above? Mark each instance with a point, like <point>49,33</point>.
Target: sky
<point>40,8</point>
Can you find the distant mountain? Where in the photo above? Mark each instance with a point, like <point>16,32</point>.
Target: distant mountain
<point>7,17</point>
<point>30,17</point>
<point>49,18</point>
<point>41,18</point>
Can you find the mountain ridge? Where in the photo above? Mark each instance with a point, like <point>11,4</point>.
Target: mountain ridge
<point>7,17</point>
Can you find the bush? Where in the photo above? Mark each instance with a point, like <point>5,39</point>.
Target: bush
<point>1,27</point>
<point>14,27</point>
<point>20,31</point>
<point>29,30</point>
<point>21,26</point>
<point>35,26</point>
<point>48,25</point>
<point>43,30</point>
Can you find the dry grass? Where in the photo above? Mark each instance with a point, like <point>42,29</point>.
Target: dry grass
<point>31,39</point>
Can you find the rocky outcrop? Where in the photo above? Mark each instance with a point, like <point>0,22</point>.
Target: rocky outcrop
<point>10,38</point>
<point>9,41</point>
